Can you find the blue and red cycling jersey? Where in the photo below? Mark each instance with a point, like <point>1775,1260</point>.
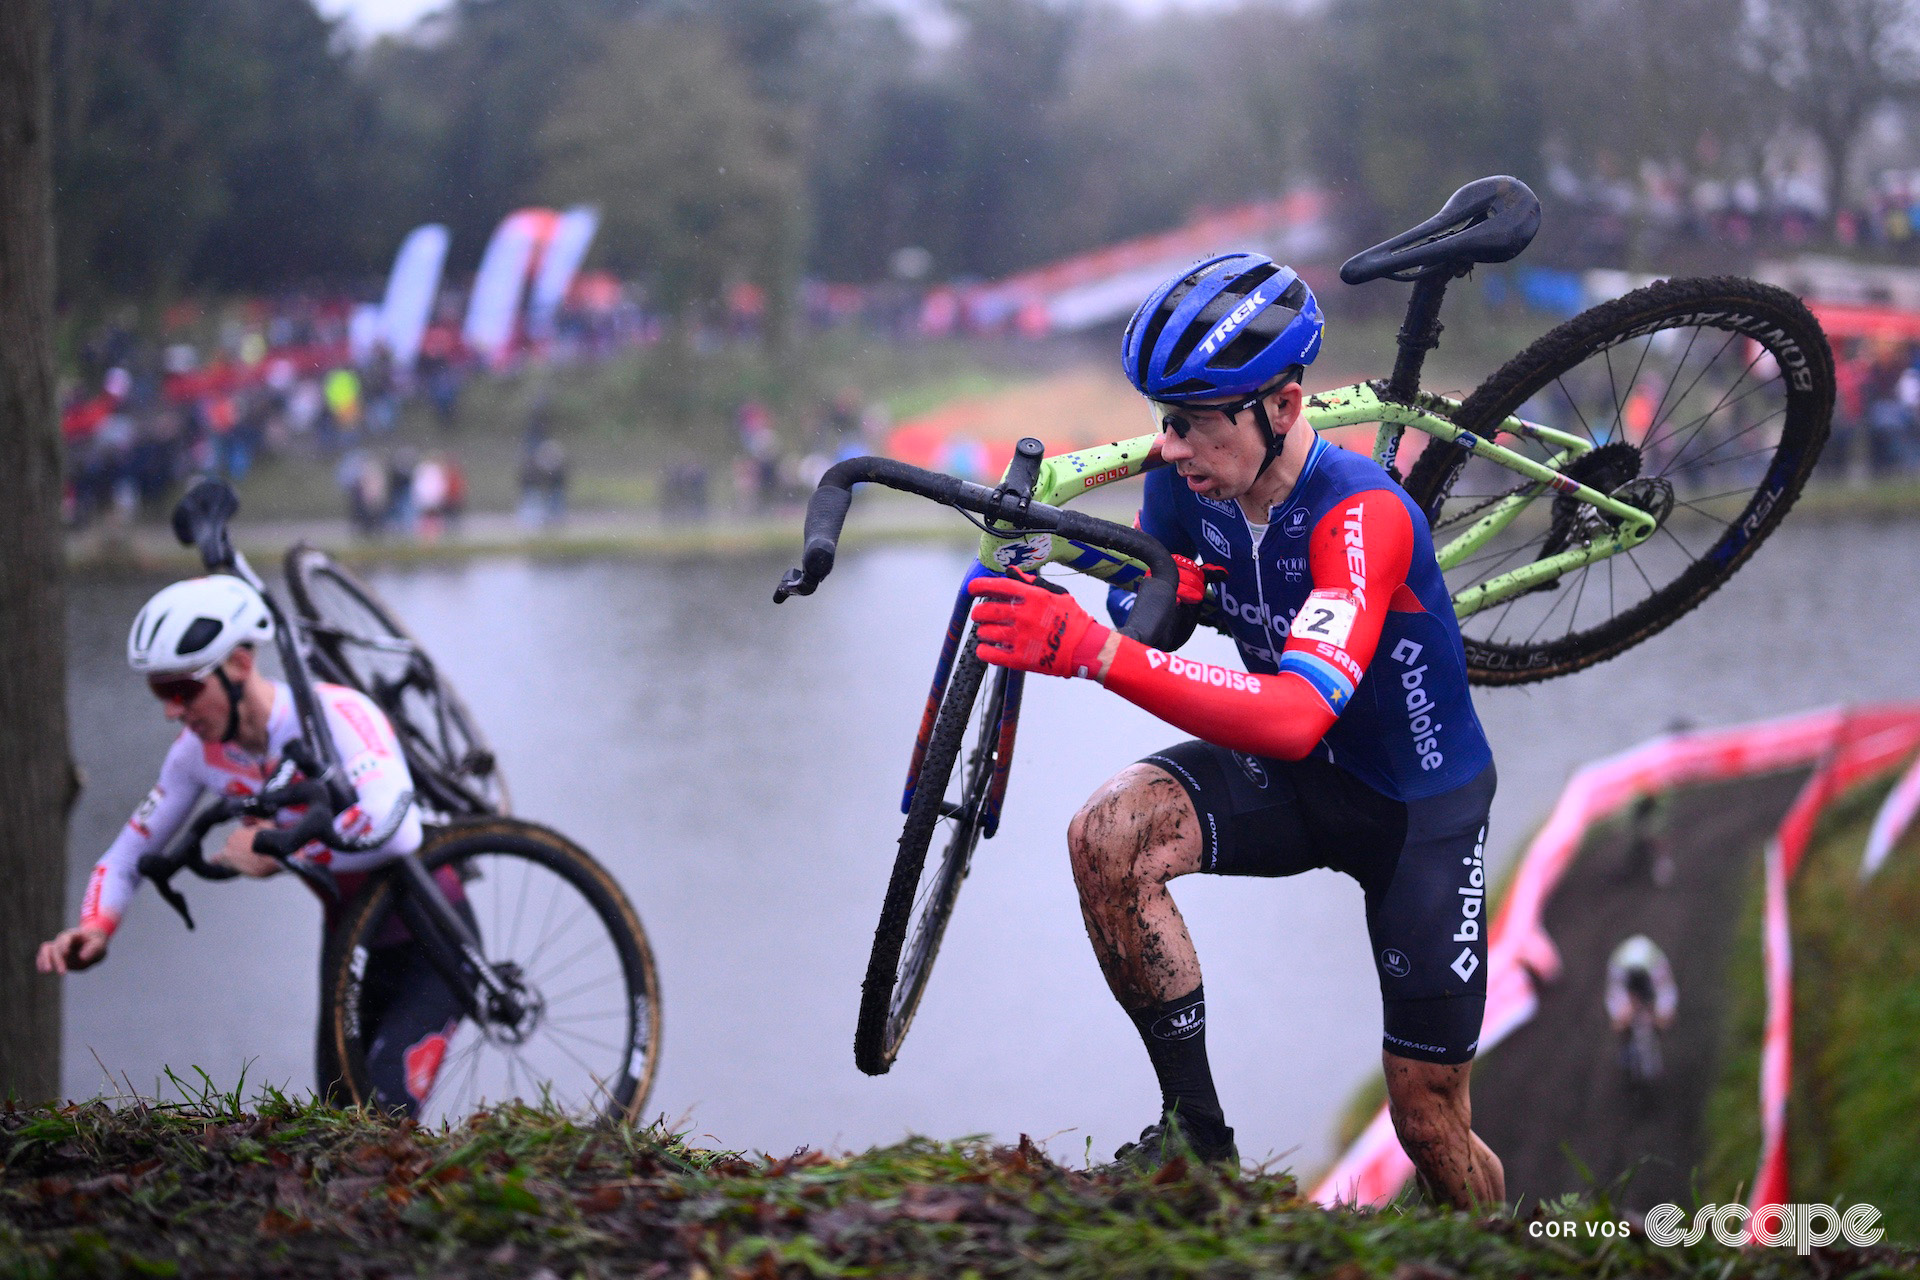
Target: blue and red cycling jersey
<point>1340,590</point>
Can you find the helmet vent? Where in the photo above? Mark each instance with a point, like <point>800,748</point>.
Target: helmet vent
<point>1156,324</point>
<point>1217,309</point>
<point>1260,332</point>
<point>1263,329</point>
<point>152,631</point>
<point>198,636</point>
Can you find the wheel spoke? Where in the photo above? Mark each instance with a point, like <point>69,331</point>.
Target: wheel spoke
<point>1575,406</point>
<point>583,1038</point>
<point>1722,403</point>
<point>1673,380</point>
<point>1579,591</point>
<point>1781,413</point>
<point>570,992</point>
<point>1692,559</point>
<point>1678,502</point>
<point>1634,561</point>
<point>1712,360</point>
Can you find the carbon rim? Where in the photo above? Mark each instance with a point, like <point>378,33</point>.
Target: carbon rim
<point>1708,417</point>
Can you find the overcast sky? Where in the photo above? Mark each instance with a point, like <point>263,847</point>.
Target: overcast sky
<point>377,17</point>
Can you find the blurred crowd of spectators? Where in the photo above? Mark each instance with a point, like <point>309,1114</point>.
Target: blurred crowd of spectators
<point>1613,216</point>
<point>402,491</point>
<point>767,474</point>
<point>139,415</point>
<point>1876,415</point>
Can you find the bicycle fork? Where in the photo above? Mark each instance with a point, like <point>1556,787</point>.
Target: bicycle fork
<point>1009,711</point>
<point>454,950</point>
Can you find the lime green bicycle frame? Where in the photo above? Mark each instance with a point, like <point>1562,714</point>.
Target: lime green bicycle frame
<point>1066,476</point>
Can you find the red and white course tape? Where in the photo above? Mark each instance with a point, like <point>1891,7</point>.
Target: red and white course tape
<point>1846,744</point>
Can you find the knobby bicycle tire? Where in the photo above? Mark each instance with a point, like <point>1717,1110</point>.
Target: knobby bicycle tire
<point>929,925</point>
<point>883,1021</point>
<point>1776,321</point>
<point>470,784</point>
<point>630,1066</point>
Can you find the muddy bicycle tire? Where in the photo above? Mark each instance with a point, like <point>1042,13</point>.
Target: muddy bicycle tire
<point>899,965</point>
<point>1770,319</point>
<point>503,863</point>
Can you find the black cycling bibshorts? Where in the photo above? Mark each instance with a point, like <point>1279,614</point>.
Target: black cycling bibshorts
<point>1419,862</point>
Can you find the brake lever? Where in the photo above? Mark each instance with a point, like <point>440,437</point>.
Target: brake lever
<point>284,845</point>
<point>163,885</point>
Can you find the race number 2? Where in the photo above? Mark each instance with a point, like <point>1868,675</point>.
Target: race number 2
<point>1327,617</point>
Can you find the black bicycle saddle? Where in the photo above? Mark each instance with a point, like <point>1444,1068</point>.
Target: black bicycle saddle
<point>1490,220</point>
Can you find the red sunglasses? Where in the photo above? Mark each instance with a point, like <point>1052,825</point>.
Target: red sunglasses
<point>180,689</point>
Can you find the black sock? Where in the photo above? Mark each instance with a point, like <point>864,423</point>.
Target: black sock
<point>1175,1033</point>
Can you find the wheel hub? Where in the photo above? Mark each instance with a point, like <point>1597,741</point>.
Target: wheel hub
<point>516,1012</point>
<point>1606,469</point>
<point>1611,468</point>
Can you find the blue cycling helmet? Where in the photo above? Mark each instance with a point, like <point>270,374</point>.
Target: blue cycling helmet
<point>1224,327</point>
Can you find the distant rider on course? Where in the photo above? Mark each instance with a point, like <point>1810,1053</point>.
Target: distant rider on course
<point>1639,977</point>
<point>195,643</point>
<point>1348,742</point>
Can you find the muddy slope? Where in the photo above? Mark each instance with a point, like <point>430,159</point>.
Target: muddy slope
<point>1552,1100</point>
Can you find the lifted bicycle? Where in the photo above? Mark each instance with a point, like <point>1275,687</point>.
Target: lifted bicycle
<point>547,959</point>
<point>1625,465</point>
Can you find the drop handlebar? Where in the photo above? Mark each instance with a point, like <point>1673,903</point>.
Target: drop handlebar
<point>1011,505</point>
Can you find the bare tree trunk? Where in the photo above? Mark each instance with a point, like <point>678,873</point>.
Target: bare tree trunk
<point>1838,144</point>
<point>35,772</point>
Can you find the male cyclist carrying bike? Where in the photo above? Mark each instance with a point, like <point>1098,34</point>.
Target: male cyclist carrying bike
<point>1349,742</point>
<point>195,643</point>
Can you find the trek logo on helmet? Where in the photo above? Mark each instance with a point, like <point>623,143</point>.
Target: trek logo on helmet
<point>1235,318</point>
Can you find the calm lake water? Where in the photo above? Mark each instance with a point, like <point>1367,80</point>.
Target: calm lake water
<point>737,766</point>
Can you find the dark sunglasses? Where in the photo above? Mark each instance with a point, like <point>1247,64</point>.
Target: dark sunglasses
<point>1179,418</point>
<point>180,689</point>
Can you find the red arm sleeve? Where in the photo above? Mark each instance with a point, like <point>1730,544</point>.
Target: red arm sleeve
<point>1358,557</point>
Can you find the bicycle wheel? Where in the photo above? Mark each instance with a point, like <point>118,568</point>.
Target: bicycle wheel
<point>1706,403</point>
<point>921,897</point>
<point>579,1024</point>
<point>360,642</point>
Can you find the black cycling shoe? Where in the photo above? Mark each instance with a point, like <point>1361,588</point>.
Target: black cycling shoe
<point>1195,1137</point>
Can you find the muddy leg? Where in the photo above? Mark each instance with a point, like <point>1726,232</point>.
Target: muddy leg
<point>1433,1115</point>
<point>1132,836</point>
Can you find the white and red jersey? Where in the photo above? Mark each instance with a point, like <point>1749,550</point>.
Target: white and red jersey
<point>369,752</point>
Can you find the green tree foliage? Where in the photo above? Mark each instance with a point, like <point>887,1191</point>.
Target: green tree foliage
<point>465,107</point>
<point>207,140</point>
<point>1834,63</point>
<point>1192,109</point>
<point>243,144</point>
<point>1422,98</point>
<point>1672,87</point>
<point>696,179</point>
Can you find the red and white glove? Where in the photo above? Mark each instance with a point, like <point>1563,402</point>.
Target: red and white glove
<point>1195,578</point>
<point>1030,627</point>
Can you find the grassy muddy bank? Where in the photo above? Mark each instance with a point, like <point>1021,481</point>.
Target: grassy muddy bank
<point>291,1189</point>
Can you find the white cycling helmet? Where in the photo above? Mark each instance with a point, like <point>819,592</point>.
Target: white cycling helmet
<point>190,627</point>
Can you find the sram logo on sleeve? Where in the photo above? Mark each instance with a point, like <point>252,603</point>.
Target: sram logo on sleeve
<point>1327,616</point>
